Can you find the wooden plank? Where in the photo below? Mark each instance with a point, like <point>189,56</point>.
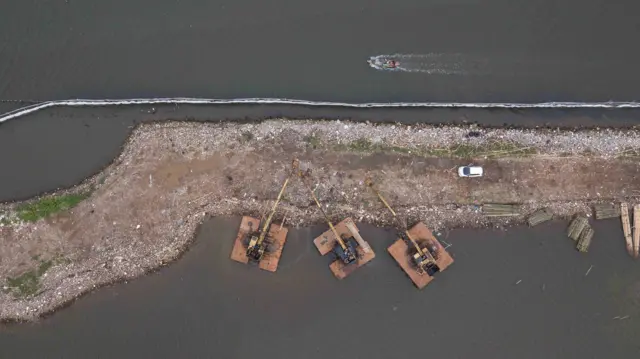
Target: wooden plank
<point>239,251</point>
<point>585,239</point>
<point>626,227</point>
<point>636,230</point>
<point>326,242</point>
<point>341,271</point>
<point>399,252</point>
<point>275,241</point>
<point>540,216</point>
<point>606,210</point>
<point>576,227</point>
<point>500,210</point>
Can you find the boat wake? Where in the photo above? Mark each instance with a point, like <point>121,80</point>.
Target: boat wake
<point>434,63</point>
<point>278,101</point>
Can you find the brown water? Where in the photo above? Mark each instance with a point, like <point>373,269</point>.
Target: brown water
<point>206,305</point>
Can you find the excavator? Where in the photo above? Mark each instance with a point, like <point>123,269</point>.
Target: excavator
<point>345,249</point>
<point>257,246</point>
<point>424,258</point>
<point>253,245</point>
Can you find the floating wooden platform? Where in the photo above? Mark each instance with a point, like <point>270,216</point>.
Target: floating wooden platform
<point>275,239</point>
<point>626,226</point>
<point>585,239</point>
<point>606,210</point>
<point>327,241</point>
<point>539,216</point>
<point>636,230</point>
<point>576,227</point>
<point>500,210</point>
<point>400,252</point>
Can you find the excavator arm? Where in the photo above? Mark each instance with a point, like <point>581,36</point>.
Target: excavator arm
<point>267,223</point>
<point>419,252</point>
<point>349,254</point>
<point>255,249</point>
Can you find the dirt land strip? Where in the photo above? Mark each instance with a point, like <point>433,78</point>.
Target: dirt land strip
<point>142,211</point>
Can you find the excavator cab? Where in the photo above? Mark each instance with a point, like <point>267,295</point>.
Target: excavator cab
<point>348,254</point>
<point>424,264</point>
<point>421,260</point>
<point>255,249</point>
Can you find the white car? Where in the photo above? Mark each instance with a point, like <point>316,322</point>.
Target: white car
<point>470,171</point>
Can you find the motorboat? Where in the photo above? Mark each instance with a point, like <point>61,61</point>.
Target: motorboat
<point>388,64</point>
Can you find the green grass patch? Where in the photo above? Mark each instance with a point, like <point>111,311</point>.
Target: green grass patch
<point>312,140</point>
<point>28,284</point>
<point>492,149</point>
<point>246,136</point>
<point>630,152</point>
<point>47,206</point>
<point>361,145</point>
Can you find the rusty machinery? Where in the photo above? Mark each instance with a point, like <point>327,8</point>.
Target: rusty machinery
<point>424,258</point>
<point>346,246</point>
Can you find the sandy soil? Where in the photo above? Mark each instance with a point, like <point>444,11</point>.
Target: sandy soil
<point>145,207</point>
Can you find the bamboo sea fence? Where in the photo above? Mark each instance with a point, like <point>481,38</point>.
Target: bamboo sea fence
<point>539,216</point>
<point>501,210</point>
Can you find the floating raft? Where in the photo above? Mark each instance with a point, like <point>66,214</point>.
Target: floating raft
<point>636,230</point>
<point>626,226</point>
<point>539,216</point>
<point>326,242</point>
<point>399,250</point>
<point>585,239</point>
<point>605,210</point>
<point>276,238</point>
<point>576,227</point>
<point>500,210</point>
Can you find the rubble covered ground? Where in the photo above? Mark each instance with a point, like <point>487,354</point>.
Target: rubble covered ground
<point>142,211</point>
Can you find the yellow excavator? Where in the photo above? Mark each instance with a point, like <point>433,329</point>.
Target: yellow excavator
<point>423,258</point>
<point>257,245</point>
<point>346,248</point>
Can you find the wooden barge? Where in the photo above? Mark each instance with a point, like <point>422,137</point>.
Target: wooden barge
<point>274,242</point>
<point>400,251</point>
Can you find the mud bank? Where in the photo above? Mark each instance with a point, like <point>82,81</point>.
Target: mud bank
<point>142,211</point>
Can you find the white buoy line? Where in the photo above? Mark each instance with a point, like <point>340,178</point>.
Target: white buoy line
<point>277,101</point>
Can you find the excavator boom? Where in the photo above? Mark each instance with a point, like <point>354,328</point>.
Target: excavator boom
<point>326,218</point>
<point>267,223</point>
<point>397,220</point>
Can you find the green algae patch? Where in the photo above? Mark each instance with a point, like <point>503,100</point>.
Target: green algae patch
<point>44,207</point>
<point>28,283</point>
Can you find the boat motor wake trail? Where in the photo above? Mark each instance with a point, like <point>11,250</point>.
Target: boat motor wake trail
<point>436,64</point>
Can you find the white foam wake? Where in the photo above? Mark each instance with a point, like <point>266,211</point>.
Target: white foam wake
<point>433,63</point>
<point>276,101</point>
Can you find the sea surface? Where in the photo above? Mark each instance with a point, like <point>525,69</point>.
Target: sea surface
<point>204,305</point>
<point>510,50</point>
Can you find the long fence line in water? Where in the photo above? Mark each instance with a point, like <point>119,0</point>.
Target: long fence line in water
<point>277,101</point>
